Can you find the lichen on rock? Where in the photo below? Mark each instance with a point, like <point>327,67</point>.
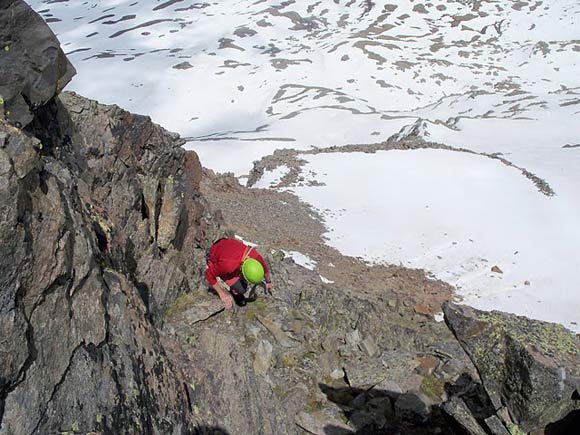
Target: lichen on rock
<point>528,366</point>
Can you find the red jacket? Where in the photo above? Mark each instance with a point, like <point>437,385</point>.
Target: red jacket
<point>225,260</point>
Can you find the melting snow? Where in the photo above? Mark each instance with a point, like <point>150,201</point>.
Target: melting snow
<point>301,259</point>
<point>272,178</point>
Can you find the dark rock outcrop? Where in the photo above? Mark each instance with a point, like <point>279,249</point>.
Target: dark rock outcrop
<point>530,369</point>
<point>101,226</point>
<point>33,68</point>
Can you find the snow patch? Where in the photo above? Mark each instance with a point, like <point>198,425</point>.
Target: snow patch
<point>301,259</point>
<point>271,178</point>
<point>253,245</point>
<point>326,280</point>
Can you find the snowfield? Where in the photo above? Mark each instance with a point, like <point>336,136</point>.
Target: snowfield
<point>457,215</point>
<point>495,81</point>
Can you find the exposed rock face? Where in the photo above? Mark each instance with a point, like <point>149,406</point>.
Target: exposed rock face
<point>101,223</point>
<point>529,368</point>
<point>141,188</point>
<point>33,68</point>
<point>301,359</point>
<point>79,352</point>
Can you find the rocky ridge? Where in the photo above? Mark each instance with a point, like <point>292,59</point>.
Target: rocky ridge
<point>315,357</point>
<point>100,219</point>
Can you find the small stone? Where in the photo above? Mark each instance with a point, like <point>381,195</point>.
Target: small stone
<point>263,357</point>
<point>392,303</point>
<point>427,364</point>
<point>368,345</point>
<point>496,426</point>
<point>459,411</point>
<point>422,309</point>
<point>389,386</point>
<point>337,374</point>
<point>526,282</point>
<point>496,269</point>
<point>276,330</point>
<point>344,351</point>
<point>329,344</point>
<point>353,338</point>
<point>318,423</point>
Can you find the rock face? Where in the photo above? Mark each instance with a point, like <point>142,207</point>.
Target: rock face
<point>301,359</point>
<point>33,67</point>
<point>101,223</point>
<point>528,368</point>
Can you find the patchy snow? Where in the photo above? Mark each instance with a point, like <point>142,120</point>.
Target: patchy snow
<point>326,280</point>
<point>272,178</point>
<point>251,244</point>
<point>301,259</point>
<point>253,77</point>
<point>241,79</point>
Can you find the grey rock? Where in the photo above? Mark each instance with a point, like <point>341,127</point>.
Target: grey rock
<point>530,367</point>
<point>263,357</point>
<point>337,374</point>
<point>163,282</point>
<point>457,409</point>
<point>183,66</point>
<point>318,423</point>
<point>413,407</point>
<point>369,347</point>
<point>75,332</point>
<point>281,337</point>
<point>363,372</point>
<point>353,338</point>
<point>32,65</point>
<point>390,387</point>
<point>201,311</point>
<point>169,212</point>
<point>496,426</point>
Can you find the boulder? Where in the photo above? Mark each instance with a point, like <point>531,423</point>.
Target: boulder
<point>528,367</point>
<point>33,67</point>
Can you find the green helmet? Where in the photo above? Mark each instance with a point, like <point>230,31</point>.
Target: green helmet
<point>252,271</point>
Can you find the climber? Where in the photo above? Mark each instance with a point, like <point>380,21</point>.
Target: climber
<point>237,265</point>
